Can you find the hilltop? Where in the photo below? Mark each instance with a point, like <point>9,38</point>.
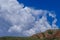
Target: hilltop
<point>49,34</point>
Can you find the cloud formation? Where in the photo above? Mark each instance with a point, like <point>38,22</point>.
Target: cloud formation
<point>25,20</point>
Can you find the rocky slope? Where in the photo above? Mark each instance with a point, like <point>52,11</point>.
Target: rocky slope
<point>49,34</point>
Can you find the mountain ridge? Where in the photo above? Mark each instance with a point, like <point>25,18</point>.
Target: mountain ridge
<point>49,34</point>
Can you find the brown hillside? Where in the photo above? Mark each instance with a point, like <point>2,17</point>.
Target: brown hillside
<point>48,34</point>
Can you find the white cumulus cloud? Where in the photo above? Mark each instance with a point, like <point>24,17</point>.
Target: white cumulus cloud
<point>25,20</point>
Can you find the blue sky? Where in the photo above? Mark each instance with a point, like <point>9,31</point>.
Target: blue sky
<point>51,5</point>
<point>28,17</point>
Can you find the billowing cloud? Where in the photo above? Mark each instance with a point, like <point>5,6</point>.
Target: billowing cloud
<point>24,20</point>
